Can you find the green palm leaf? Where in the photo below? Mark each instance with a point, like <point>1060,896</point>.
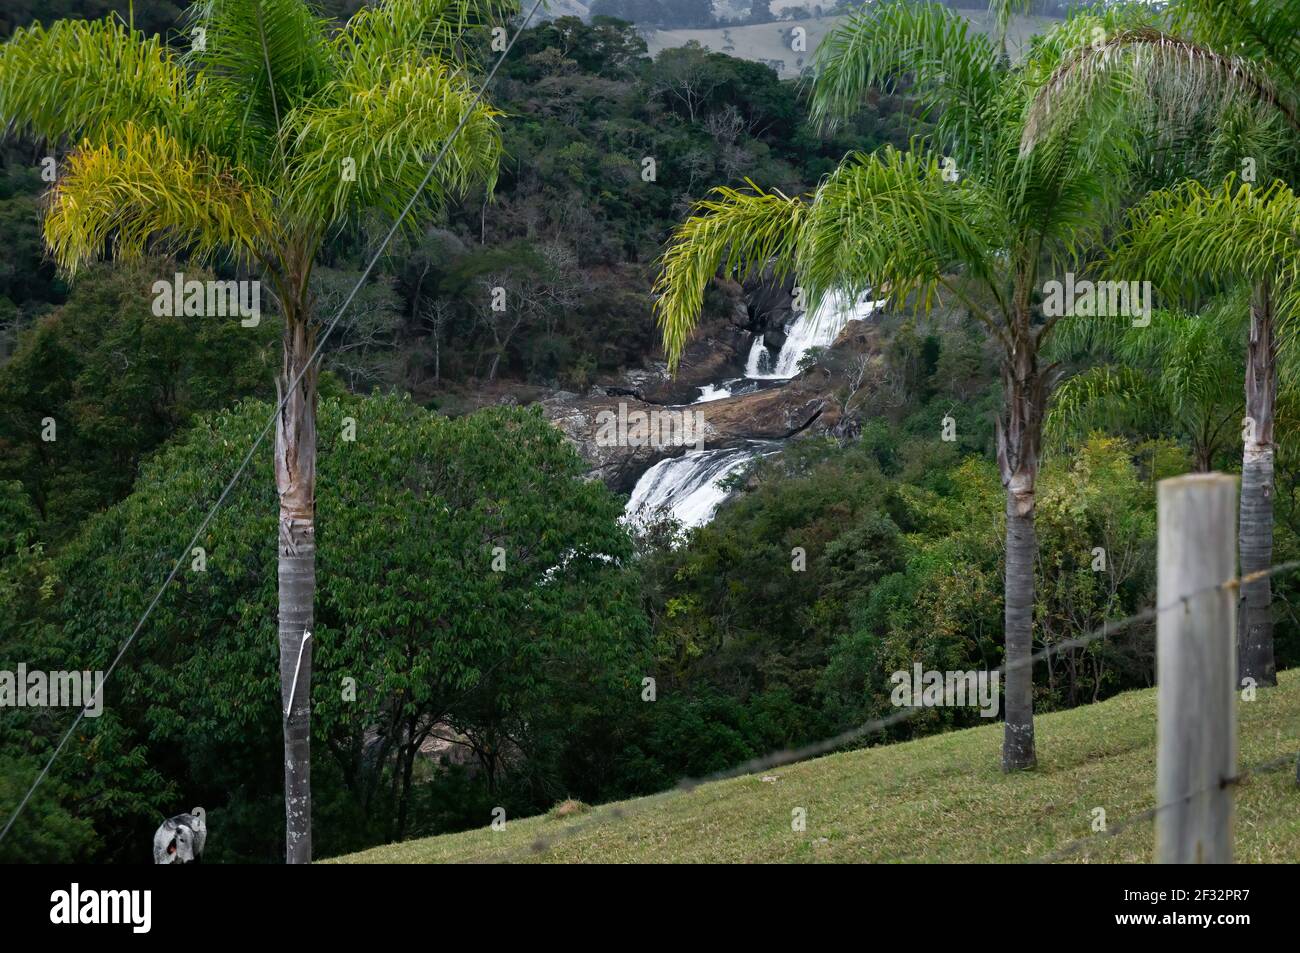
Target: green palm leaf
<point>260,60</point>
<point>1192,241</point>
<point>953,70</point>
<point>739,232</point>
<point>1137,66</point>
<point>892,221</point>
<point>388,33</point>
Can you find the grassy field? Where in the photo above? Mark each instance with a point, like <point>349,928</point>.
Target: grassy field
<point>938,799</point>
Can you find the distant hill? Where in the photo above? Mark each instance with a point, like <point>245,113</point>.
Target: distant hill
<point>554,9</point>
<point>770,42</point>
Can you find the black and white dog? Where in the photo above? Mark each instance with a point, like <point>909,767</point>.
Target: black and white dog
<point>180,839</point>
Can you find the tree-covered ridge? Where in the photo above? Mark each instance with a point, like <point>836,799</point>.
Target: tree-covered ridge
<point>572,228</point>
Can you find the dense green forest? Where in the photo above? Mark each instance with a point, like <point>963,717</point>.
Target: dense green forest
<point>431,464</point>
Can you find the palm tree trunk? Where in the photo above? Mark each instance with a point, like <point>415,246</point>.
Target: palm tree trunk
<point>1022,553</point>
<point>295,479</point>
<point>1255,626</point>
<point>1019,436</point>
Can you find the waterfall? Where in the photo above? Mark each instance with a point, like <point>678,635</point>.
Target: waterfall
<point>731,387</point>
<point>811,329</point>
<point>756,364</point>
<point>686,486</point>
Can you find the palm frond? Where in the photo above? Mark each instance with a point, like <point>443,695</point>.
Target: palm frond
<point>390,31</point>
<point>953,70</point>
<point>1180,373</point>
<point>1192,241</point>
<point>80,78</point>
<point>893,222</point>
<point>260,60</point>
<point>142,191</point>
<point>1267,33</point>
<point>1146,65</point>
<point>1002,11</point>
<point>369,146</point>
<point>741,233</point>
<point>1101,398</point>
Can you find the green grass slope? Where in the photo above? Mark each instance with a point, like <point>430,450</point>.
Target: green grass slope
<point>937,799</point>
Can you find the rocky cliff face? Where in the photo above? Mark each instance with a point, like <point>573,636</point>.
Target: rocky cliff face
<point>773,413</point>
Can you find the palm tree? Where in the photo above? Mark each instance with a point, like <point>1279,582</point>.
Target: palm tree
<point>1187,239</point>
<point>274,129</point>
<point>1237,63</point>
<point>966,214</point>
<point>1183,370</point>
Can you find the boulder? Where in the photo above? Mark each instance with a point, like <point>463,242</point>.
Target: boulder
<point>606,433</point>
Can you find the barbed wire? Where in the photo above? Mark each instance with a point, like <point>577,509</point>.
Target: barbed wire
<point>1084,844</point>
<point>284,400</point>
<point>785,756</point>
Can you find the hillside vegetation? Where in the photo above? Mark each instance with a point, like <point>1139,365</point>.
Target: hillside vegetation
<point>936,799</point>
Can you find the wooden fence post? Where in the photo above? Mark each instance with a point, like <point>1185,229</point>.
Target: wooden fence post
<point>1196,668</point>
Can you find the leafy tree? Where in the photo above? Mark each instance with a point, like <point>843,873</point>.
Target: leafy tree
<point>898,223</point>
<point>1097,530</point>
<point>661,13</point>
<point>117,381</point>
<point>254,145</point>
<point>478,581</point>
<point>1182,372</point>
<point>606,46</point>
<point>29,284</point>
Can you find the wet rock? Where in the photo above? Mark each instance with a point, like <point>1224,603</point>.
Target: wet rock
<point>773,413</point>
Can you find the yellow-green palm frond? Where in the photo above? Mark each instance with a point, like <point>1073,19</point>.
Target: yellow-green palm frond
<point>1183,373</point>
<point>141,190</point>
<point>737,231</point>
<point>954,70</point>
<point>1191,240</point>
<point>80,78</point>
<point>894,222</point>
<point>370,146</point>
<point>1200,358</point>
<point>388,33</point>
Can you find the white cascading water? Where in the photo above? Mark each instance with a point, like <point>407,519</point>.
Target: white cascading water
<point>811,329</point>
<point>686,486</point>
<point>731,387</point>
